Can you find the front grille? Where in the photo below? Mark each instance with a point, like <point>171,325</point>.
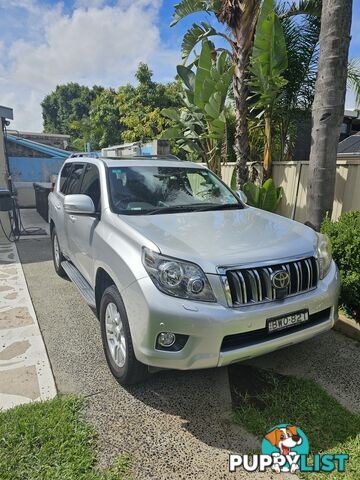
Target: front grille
<point>253,285</point>
<point>246,339</point>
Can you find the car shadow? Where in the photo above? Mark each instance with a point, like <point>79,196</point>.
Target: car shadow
<point>200,398</point>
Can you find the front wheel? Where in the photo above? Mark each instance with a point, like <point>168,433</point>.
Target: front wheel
<point>57,255</point>
<point>116,338</point>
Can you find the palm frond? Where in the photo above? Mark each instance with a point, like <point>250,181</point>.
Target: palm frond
<point>194,35</point>
<point>302,41</point>
<point>303,7</point>
<point>188,7</point>
<point>354,78</point>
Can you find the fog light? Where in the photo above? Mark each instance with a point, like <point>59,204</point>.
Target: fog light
<point>196,285</point>
<point>166,339</point>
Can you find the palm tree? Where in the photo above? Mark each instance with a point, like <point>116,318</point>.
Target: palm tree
<point>328,107</point>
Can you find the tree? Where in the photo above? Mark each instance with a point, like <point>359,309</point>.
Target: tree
<point>240,18</point>
<point>328,108</point>
<point>200,128</point>
<point>104,117</point>
<point>105,123</point>
<point>67,104</point>
<point>268,63</point>
<point>140,106</point>
<point>302,46</point>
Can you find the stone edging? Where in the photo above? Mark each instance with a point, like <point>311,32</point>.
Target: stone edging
<point>348,327</point>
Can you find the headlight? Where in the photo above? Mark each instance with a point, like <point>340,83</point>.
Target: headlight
<point>323,254</point>
<point>177,277</point>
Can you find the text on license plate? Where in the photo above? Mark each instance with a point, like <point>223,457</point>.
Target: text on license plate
<point>280,323</point>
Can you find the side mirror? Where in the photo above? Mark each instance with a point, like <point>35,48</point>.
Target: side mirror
<point>79,205</point>
<point>242,196</point>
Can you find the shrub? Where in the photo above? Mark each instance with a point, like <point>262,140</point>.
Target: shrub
<point>266,197</point>
<point>345,241</point>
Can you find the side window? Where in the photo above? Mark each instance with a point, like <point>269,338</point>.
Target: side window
<point>65,172</point>
<point>91,184</point>
<point>74,182</point>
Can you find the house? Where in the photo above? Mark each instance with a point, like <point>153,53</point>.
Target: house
<point>33,157</point>
<point>351,145</point>
<point>349,127</point>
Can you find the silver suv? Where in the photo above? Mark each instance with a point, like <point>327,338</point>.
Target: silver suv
<point>180,271</point>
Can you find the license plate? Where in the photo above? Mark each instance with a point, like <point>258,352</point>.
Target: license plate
<point>287,321</point>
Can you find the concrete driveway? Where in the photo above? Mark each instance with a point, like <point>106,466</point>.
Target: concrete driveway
<point>176,425</point>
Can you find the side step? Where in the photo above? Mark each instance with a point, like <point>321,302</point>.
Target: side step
<point>84,288</point>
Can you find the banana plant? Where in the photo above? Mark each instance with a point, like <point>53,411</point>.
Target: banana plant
<point>266,197</point>
<point>268,64</point>
<point>200,125</point>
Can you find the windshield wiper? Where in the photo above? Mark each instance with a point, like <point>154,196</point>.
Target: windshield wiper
<point>225,206</point>
<point>195,207</point>
<point>173,209</point>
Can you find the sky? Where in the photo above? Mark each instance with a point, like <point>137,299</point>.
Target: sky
<point>47,42</point>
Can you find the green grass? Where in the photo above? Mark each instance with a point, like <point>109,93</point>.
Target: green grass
<point>274,399</point>
<point>52,441</point>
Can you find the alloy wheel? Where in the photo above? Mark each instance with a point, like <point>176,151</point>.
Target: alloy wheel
<point>115,334</point>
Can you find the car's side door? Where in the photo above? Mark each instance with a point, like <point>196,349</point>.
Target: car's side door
<point>57,206</point>
<point>73,185</point>
<point>82,227</point>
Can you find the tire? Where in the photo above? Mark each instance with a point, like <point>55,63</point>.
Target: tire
<point>117,342</point>
<point>57,255</point>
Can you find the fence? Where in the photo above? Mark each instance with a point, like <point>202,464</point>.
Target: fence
<point>293,176</point>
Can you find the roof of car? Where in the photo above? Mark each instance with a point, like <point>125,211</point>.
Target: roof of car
<point>138,160</point>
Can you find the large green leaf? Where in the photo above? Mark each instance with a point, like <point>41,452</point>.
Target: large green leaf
<point>266,197</point>
<point>269,57</point>
<point>208,89</point>
<point>187,76</point>
<point>252,192</point>
<point>217,127</point>
<point>187,7</point>
<point>202,72</point>
<point>193,36</point>
<point>213,106</point>
<point>270,195</point>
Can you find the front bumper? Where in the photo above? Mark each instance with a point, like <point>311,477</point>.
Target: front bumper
<point>151,312</point>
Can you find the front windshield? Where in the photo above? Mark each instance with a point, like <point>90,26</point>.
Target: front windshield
<point>156,190</point>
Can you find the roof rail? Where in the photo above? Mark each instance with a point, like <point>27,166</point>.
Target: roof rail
<point>143,157</point>
<point>84,154</point>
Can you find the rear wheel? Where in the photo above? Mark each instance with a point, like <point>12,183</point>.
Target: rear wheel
<point>117,342</point>
<point>57,255</point>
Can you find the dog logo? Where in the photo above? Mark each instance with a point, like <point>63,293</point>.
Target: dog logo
<point>280,279</point>
<point>285,441</point>
<point>285,448</point>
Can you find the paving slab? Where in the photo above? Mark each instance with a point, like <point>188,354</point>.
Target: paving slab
<point>25,373</point>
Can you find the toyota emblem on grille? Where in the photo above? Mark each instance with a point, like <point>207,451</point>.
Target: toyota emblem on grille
<point>280,279</point>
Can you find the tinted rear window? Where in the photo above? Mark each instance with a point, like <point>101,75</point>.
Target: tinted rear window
<point>74,182</point>
<point>65,172</point>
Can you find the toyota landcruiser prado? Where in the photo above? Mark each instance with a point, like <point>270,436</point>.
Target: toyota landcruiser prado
<point>181,272</point>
